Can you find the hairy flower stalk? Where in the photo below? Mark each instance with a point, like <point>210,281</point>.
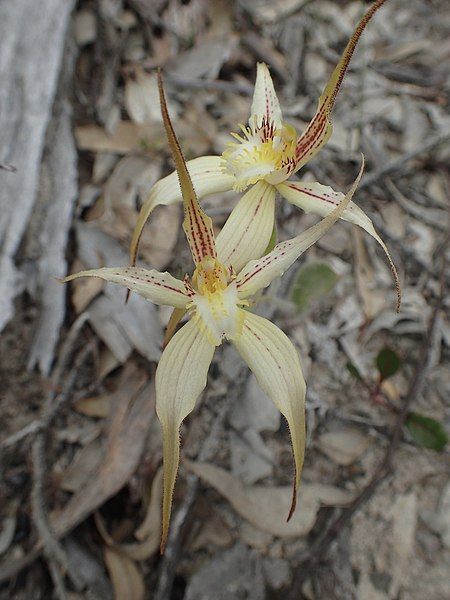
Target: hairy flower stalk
<point>260,161</point>
<point>216,301</point>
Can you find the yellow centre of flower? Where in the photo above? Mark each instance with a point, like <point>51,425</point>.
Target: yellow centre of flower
<point>216,301</point>
<point>261,152</point>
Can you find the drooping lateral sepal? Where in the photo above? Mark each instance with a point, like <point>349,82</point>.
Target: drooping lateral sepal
<point>160,288</point>
<point>180,378</point>
<point>273,359</point>
<point>322,200</point>
<point>258,274</point>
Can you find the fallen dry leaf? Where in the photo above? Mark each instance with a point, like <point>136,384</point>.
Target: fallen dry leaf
<point>149,532</point>
<point>83,466</point>
<point>127,137</point>
<point>106,363</point>
<point>131,175</point>
<point>373,298</point>
<point>160,236</point>
<point>131,416</point>
<point>141,96</point>
<point>343,447</point>
<point>205,59</point>
<point>125,576</point>
<point>367,590</point>
<point>214,532</point>
<point>404,521</point>
<point>85,289</point>
<point>267,508</point>
<point>85,27</point>
<point>96,406</point>
<point>121,326</point>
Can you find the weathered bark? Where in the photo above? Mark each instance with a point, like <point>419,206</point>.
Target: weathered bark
<point>31,47</point>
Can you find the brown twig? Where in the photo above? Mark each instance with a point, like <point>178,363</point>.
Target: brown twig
<point>398,165</point>
<point>319,549</point>
<point>52,549</point>
<point>32,428</point>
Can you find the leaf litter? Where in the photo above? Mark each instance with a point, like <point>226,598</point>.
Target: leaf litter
<point>105,452</point>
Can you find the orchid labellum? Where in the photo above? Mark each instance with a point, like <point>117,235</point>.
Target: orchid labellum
<point>216,301</point>
<point>261,160</point>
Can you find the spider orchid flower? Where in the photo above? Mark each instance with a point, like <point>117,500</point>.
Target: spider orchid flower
<point>260,160</point>
<point>216,301</point>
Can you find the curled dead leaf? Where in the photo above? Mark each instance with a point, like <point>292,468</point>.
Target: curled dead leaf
<point>149,532</point>
<point>131,417</point>
<point>266,507</point>
<point>125,576</point>
<point>343,447</point>
<point>97,406</point>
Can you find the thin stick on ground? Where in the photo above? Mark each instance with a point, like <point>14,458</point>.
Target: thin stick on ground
<point>398,165</point>
<point>52,549</point>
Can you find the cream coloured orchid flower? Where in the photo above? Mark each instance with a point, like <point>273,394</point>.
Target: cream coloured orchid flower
<point>216,302</point>
<point>261,160</point>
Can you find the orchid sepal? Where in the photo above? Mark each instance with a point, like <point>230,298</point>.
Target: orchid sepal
<point>258,274</point>
<point>178,386</point>
<point>321,200</point>
<point>160,288</point>
<point>207,176</point>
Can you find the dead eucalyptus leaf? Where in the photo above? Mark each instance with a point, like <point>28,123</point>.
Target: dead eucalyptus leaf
<point>125,576</point>
<point>131,417</point>
<point>131,175</point>
<point>214,532</point>
<point>127,136</point>
<point>107,362</point>
<point>85,27</point>
<point>404,521</point>
<point>141,96</point>
<point>96,406</point>
<point>345,446</point>
<point>160,236</point>
<point>149,532</point>
<point>83,466</point>
<point>267,508</point>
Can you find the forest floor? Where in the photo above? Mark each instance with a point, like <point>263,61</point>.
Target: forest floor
<point>80,445</point>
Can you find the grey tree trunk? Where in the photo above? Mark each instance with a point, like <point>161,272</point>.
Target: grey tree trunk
<point>32,40</point>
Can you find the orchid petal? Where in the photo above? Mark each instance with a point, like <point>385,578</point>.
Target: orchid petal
<point>207,177</point>
<point>320,128</point>
<point>275,362</point>
<point>321,200</point>
<point>265,104</point>
<point>197,225</point>
<point>260,273</point>
<point>180,378</point>
<point>160,288</point>
<point>247,230</point>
